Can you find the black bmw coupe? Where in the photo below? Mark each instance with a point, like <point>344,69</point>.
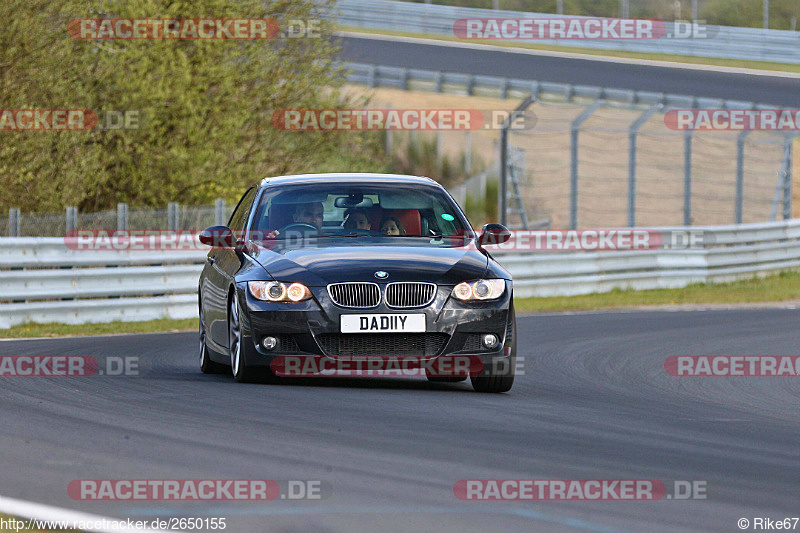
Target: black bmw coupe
<point>335,266</point>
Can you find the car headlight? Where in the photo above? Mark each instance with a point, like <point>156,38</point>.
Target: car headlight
<point>484,289</point>
<point>275,291</point>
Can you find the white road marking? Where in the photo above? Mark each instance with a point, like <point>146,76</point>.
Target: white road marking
<point>38,511</point>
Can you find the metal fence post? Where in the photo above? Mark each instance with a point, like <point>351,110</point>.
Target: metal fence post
<point>439,152</point>
<point>573,178</point>
<point>569,94</point>
<point>467,153</point>
<point>795,170</point>
<point>388,139</point>
<point>573,175</point>
<point>687,178</point>
<point>388,146</point>
<point>13,222</point>
<point>503,192</point>
<point>536,89</point>
<point>787,176</point>
<point>122,217</point>
<point>71,222</point>
<point>740,144</point>
<point>459,194</point>
<point>219,212</point>
<point>172,216</point>
<point>632,137</point>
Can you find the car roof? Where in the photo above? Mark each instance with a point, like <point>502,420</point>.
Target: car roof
<point>349,177</point>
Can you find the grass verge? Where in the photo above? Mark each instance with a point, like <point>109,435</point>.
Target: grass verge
<point>63,330</point>
<point>694,60</point>
<point>775,288</point>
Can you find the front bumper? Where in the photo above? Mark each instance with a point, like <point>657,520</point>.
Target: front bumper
<point>312,328</point>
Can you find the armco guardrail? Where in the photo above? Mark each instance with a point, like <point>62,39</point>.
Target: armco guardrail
<point>754,44</point>
<point>736,251</point>
<point>374,76</point>
<point>41,280</point>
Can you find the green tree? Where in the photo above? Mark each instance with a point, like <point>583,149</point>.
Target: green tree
<point>206,105</point>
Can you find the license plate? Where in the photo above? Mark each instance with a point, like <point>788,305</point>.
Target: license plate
<point>383,323</point>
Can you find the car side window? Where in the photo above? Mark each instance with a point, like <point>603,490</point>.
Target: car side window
<point>239,216</point>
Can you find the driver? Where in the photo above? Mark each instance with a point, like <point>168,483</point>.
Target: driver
<point>311,213</point>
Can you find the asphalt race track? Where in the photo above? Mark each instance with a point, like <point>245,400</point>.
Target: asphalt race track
<point>774,90</point>
<point>595,403</point>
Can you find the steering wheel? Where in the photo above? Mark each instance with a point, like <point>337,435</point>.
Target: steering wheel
<point>299,226</point>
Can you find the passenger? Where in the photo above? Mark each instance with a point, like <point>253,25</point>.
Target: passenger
<point>392,226</point>
<point>356,218</point>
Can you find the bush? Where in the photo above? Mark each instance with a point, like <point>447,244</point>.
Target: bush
<point>207,106</point>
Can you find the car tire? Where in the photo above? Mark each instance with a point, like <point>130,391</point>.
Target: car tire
<point>207,366</point>
<point>488,381</point>
<point>242,372</point>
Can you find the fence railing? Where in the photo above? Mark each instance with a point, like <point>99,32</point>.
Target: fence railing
<point>174,217</point>
<point>753,44</point>
<point>604,157</point>
<point>42,280</point>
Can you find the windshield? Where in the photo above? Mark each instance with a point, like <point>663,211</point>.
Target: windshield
<point>376,211</point>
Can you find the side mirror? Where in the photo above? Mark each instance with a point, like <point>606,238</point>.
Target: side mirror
<point>217,237</point>
<point>492,234</point>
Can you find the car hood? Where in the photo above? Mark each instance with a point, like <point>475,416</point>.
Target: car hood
<point>319,266</point>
